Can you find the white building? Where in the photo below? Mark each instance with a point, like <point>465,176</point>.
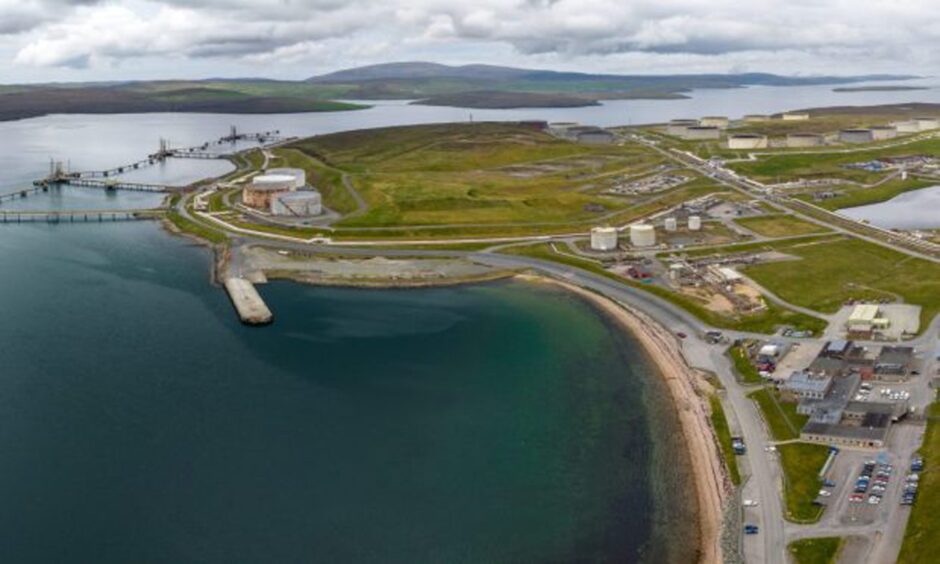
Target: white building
<point>604,238</point>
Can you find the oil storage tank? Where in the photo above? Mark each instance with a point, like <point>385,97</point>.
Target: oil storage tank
<point>299,175</point>
<point>805,140</point>
<point>604,238</point>
<point>302,203</point>
<point>883,132</point>
<point>702,133</point>
<point>856,135</point>
<point>747,141</point>
<point>678,127</point>
<point>264,188</point>
<point>642,235</point>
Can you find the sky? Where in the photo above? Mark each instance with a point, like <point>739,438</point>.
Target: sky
<point>89,40</point>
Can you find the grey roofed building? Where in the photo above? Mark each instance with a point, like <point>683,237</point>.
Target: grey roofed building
<point>837,348</point>
<point>847,435</point>
<point>828,366</point>
<point>894,361</point>
<point>804,385</point>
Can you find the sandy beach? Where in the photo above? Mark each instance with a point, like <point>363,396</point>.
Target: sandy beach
<point>692,409</point>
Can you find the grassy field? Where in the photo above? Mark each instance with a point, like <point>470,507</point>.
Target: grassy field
<point>781,417</point>
<point>801,464</point>
<point>743,366</point>
<point>780,225</point>
<point>722,431</point>
<point>829,164</point>
<point>821,550</point>
<point>327,180</point>
<point>456,174</point>
<point>832,272</point>
<point>922,536</point>
<point>865,196</point>
<point>196,228</point>
<point>767,321</point>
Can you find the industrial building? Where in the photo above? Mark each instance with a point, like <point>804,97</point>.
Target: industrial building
<point>894,363</point>
<point>747,141</point>
<point>795,116</point>
<point>302,203</point>
<point>604,238</point>
<point>642,235</point>
<point>678,127</point>
<point>720,122</point>
<point>264,188</point>
<point>805,140</point>
<point>864,320</point>
<point>856,136</point>
<point>803,385</point>
<point>299,175</point>
<point>883,132</point>
<point>701,133</point>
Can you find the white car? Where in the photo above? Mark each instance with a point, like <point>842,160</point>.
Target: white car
<point>749,503</point>
<point>825,493</point>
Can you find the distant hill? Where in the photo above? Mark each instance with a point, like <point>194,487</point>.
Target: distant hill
<point>458,84</point>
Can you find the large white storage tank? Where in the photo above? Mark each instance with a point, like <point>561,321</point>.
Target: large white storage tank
<point>695,223</point>
<point>302,203</point>
<point>805,140</point>
<point>604,238</point>
<point>907,126</point>
<point>262,190</point>
<point>671,224</point>
<point>856,136</point>
<point>883,132</point>
<point>642,235</point>
<point>927,123</point>
<point>747,141</point>
<point>298,174</point>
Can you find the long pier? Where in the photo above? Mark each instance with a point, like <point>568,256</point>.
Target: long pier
<point>80,216</point>
<point>114,185</point>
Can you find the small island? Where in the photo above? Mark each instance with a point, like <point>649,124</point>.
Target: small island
<point>885,88</point>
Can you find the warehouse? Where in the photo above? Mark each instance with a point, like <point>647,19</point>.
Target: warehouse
<point>865,319</point>
<point>804,385</point>
<point>894,363</point>
<point>747,141</point>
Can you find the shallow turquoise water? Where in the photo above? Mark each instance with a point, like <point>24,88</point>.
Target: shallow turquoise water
<point>140,422</point>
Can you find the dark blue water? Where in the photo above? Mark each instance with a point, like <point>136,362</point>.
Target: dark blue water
<point>140,422</point>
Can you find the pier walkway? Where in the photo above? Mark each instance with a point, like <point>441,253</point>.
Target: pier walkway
<point>79,216</point>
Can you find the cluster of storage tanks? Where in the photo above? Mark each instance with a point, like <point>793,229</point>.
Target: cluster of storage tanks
<point>282,191</point>
<point>641,234</point>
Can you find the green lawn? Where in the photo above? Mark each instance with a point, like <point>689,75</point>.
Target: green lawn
<point>829,163</point>
<point>801,464</point>
<point>781,417</point>
<point>768,321</point>
<point>723,433</point>
<point>821,550</point>
<point>743,366</point>
<point>780,225</point>
<point>456,174</point>
<point>922,537</point>
<point>865,196</point>
<point>833,272</point>
<point>196,228</point>
<point>327,180</point>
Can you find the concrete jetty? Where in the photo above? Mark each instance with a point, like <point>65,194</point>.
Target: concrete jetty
<point>248,303</point>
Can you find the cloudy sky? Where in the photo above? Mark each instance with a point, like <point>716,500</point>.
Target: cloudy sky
<point>43,40</point>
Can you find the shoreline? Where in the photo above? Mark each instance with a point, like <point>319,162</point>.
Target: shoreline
<point>708,470</point>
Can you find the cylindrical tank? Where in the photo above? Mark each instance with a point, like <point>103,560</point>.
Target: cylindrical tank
<point>642,235</point>
<point>695,223</point>
<point>299,175</point>
<point>856,136</point>
<point>756,117</point>
<point>604,238</point>
<point>907,126</point>
<point>301,203</point>
<point>264,188</point>
<point>883,132</point>
<point>795,116</point>
<point>671,224</point>
<point>747,141</point>
<point>804,140</point>
<point>927,123</point>
<point>714,121</point>
<point>702,132</point>
<point>678,127</point>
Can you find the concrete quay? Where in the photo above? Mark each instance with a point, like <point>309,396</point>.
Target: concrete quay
<point>248,303</point>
